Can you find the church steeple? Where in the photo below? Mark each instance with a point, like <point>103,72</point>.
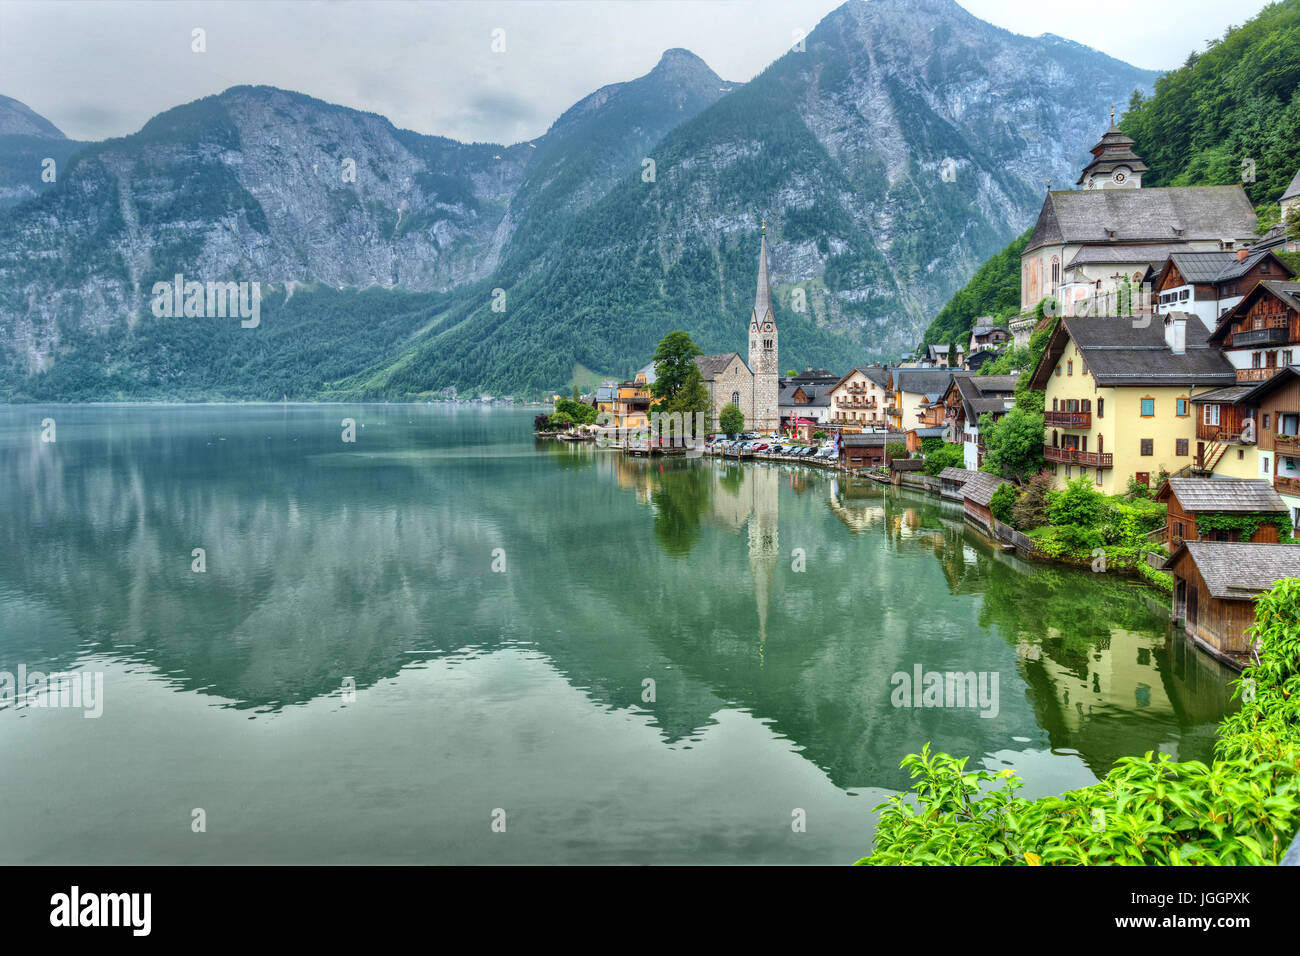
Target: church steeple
<point>1114,164</point>
<point>763,360</point>
<point>763,297</point>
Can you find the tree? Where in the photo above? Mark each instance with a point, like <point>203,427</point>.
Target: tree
<point>561,420</point>
<point>1032,508</point>
<point>896,449</point>
<point>819,435</point>
<point>691,398</point>
<point>1014,443</point>
<point>579,412</point>
<point>673,360</point>
<point>576,394</point>
<point>952,354</point>
<point>731,420</point>
<point>945,456</point>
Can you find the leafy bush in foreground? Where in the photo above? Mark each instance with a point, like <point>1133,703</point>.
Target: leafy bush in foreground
<point>1242,809</point>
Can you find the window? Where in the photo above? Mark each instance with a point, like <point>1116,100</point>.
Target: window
<point>1055,405</point>
<point>1148,407</point>
<point>1266,418</point>
<point>1241,454</point>
<point>1211,415</point>
<point>1101,408</point>
<point>1181,408</point>
<point>1286,356</point>
<point>1180,446</point>
<point>1099,474</point>
<point>1178,529</point>
<point>1288,424</point>
<point>1147,448</point>
<point>1069,367</point>
<point>1058,370</point>
<point>735,399</point>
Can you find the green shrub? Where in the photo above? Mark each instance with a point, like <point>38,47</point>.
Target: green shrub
<point>1003,500</point>
<point>1080,504</point>
<point>1243,809</point>
<point>945,456</point>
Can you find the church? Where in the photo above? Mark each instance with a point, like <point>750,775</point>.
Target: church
<point>1091,242</point>
<point>752,386</point>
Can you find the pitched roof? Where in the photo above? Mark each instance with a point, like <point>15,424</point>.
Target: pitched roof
<point>648,371</point>
<point>980,486</point>
<point>1211,267</point>
<point>870,438</point>
<point>1288,293</point>
<point>960,475</point>
<point>818,395</point>
<point>1223,396</point>
<point>1143,215</point>
<point>1293,190</point>
<point>986,393</point>
<point>925,381</point>
<point>1235,495</point>
<point>930,431</point>
<point>1122,352</point>
<point>1236,571</point>
<point>1148,254</point>
<point>713,365</point>
<point>762,297</point>
<point>1276,380</point>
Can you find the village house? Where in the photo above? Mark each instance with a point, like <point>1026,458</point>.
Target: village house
<point>866,449</point>
<point>1216,584</point>
<point>914,389</point>
<point>861,398</point>
<point>1090,247</point>
<point>1225,435</point>
<point>805,404</point>
<point>985,334</point>
<point>1196,508</point>
<point>630,405</point>
<point>966,399</point>
<point>1208,284</point>
<point>1275,405</point>
<point>1118,396</point>
<point>936,356</point>
<point>1261,333</point>
<point>916,436</point>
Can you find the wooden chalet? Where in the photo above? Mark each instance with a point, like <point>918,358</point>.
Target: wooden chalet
<point>1261,333</point>
<point>977,498</point>
<point>1189,499</point>
<point>1216,584</point>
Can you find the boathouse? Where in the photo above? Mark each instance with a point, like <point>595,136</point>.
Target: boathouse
<point>1215,587</point>
<point>1227,509</point>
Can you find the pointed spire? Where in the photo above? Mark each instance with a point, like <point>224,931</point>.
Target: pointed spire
<point>763,297</point>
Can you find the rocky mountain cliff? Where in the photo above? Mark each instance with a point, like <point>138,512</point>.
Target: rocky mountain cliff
<point>904,144</point>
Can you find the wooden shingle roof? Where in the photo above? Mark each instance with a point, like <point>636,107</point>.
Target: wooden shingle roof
<point>1236,571</point>
<point>980,487</point>
<point>1234,495</point>
<point>960,475</point>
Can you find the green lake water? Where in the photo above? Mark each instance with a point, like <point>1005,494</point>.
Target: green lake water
<point>623,661</point>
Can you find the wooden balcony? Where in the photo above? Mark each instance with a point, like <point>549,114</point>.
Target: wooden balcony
<point>1255,374</point>
<point>1274,335</point>
<point>1286,486</point>
<point>1286,444</point>
<point>1068,419</point>
<point>1072,456</point>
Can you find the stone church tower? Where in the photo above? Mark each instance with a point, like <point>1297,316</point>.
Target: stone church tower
<point>763,351</point>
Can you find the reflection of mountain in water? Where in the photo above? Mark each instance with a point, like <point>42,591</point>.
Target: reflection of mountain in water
<point>327,561</point>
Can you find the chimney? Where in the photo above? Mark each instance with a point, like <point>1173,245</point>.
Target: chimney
<point>1241,254</point>
<point>1176,332</point>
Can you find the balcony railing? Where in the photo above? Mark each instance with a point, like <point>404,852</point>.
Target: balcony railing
<point>1255,374</point>
<point>1287,444</point>
<point>1068,419</point>
<point>1287,486</point>
<point>1269,336</point>
<point>1072,456</point>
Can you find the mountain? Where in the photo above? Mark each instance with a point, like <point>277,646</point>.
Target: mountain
<point>27,141</point>
<point>900,148</point>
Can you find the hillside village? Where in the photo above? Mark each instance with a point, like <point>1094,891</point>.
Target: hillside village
<point>1151,376</point>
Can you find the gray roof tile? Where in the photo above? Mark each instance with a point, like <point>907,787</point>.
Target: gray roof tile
<point>1236,571</point>
<point>1235,495</point>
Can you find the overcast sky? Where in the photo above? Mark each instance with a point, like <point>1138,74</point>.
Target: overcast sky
<point>99,69</point>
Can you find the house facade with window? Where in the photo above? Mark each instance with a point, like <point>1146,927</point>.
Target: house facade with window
<point>914,390</point>
<point>1261,333</point>
<point>966,399</point>
<point>861,398</point>
<point>1195,507</point>
<point>1118,397</point>
<point>1208,284</point>
<point>1275,406</point>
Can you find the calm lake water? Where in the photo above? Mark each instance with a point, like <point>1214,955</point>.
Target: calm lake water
<point>523,690</point>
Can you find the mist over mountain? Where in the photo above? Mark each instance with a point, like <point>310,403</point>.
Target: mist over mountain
<point>903,145</point>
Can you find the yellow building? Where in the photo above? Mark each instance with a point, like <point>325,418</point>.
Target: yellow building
<point>914,390</point>
<point>1118,396</point>
<point>861,398</point>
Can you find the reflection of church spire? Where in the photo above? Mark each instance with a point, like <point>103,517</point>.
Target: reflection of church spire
<point>764,543</point>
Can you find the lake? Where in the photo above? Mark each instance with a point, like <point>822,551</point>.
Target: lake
<point>450,642</point>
